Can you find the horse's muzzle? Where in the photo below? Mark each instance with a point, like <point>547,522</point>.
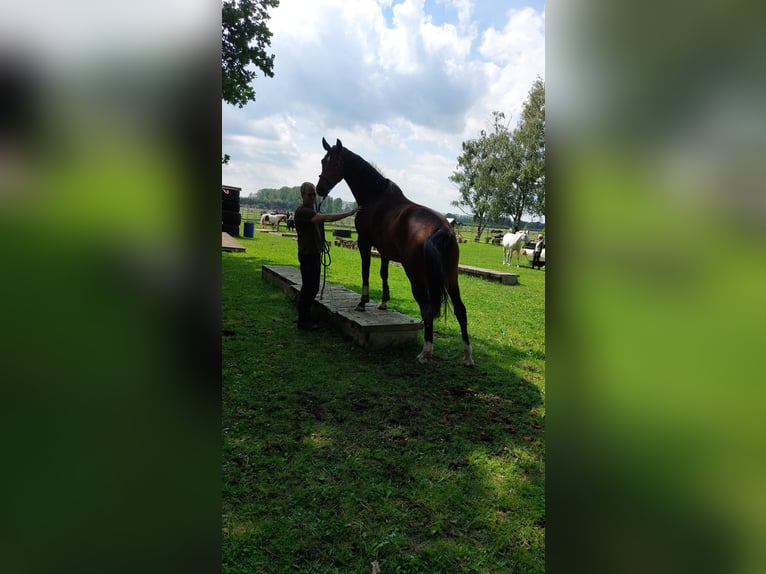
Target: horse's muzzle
<point>324,187</point>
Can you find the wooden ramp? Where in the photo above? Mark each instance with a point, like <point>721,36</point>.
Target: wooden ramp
<point>228,243</point>
<point>276,233</point>
<point>372,329</point>
<point>490,274</point>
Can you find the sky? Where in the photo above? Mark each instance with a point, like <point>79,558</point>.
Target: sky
<point>400,83</point>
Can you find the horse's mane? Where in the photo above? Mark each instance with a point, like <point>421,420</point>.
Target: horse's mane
<point>365,168</point>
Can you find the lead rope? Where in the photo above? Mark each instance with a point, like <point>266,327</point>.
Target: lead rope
<point>326,258</point>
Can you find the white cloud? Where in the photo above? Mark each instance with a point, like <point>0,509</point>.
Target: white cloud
<point>513,60</point>
<point>78,33</point>
<point>521,36</point>
<point>403,93</point>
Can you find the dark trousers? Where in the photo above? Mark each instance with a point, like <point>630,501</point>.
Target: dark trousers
<point>536,259</point>
<point>310,273</point>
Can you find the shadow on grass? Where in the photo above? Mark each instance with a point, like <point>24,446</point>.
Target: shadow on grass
<point>334,456</point>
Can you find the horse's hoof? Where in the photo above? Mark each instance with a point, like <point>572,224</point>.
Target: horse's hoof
<point>360,307</point>
<point>382,306</point>
<point>468,356</point>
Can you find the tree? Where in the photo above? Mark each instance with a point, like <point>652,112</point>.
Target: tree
<point>514,197</point>
<point>337,205</point>
<point>244,40</point>
<point>478,175</point>
<point>502,172</point>
<point>525,176</point>
<point>283,199</point>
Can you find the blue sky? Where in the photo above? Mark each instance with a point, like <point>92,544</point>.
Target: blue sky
<point>401,83</point>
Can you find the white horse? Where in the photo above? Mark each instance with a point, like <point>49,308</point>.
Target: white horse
<point>514,242</point>
<point>273,219</point>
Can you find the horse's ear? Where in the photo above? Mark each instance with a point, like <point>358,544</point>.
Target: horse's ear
<point>325,144</point>
<point>338,145</point>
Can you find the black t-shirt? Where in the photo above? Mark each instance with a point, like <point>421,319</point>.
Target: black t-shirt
<point>310,238</point>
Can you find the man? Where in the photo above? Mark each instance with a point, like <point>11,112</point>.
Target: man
<point>537,252</point>
<point>310,244</point>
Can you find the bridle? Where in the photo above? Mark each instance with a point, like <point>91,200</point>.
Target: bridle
<point>327,182</point>
<point>327,185</point>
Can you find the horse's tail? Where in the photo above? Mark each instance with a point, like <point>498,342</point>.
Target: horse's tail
<point>437,249</point>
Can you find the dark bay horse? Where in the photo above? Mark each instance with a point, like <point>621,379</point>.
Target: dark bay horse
<point>418,237</point>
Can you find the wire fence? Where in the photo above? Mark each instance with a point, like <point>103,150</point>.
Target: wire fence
<point>491,233</point>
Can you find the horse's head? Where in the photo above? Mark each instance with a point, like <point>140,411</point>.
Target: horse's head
<point>332,168</point>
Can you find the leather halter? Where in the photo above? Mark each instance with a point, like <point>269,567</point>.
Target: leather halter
<point>323,176</point>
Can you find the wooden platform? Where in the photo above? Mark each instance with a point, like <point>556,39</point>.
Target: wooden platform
<point>228,243</point>
<point>372,329</point>
<point>276,233</point>
<point>490,274</point>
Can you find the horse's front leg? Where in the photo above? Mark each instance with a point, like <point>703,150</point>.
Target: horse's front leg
<point>384,278</point>
<point>364,251</point>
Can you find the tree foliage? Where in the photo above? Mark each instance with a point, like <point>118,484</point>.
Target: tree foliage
<point>282,199</point>
<point>244,40</point>
<point>289,198</point>
<point>529,143</point>
<point>502,172</point>
<point>473,182</point>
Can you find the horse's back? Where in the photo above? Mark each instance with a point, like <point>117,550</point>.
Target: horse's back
<point>424,220</point>
<point>399,229</point>
<point>514,239</point>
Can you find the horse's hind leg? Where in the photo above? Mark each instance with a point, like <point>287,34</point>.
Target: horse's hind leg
<point>420,293</point>
<point>428,341</point>
<point>384,278</point>
<point>462,318</point>
<point>428,336</point>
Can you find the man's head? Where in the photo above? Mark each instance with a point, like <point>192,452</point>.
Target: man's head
<point>308,193</point>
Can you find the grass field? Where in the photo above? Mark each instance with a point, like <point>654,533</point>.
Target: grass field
<point>335,457</point>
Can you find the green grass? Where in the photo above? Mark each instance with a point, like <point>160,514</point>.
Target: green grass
<point>335,456</point>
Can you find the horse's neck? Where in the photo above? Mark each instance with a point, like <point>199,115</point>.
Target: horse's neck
<point>365,182</point>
